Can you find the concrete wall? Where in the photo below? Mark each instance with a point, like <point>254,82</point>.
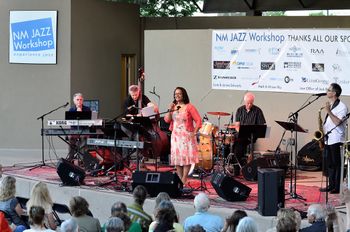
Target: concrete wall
<point>178,53</point>
<point>92,36</point>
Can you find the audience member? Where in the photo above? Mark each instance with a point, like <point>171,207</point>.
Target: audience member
<point>232,222</point>
<point>161,197</point>
<point>1,171</point>
<point>120,207</point>
<point>40,196</point>
<point>196,228</point>
<point>316,216</point>
<point>165,217</point>
<point>79,208</point>
<point>210,222</point>
<point>345,198</point>
<point>4,225</point>
<point>36,219</point>
<point>135,210</point>
<point>286,224</point>
<point>247,224</point>
<point>9,203</point>
<point>126,220</point>
<point>69,225</point>
<point>115,224</point>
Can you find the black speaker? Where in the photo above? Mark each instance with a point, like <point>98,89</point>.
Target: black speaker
<point>69,173</point>
<point>156,182</point>
<point>270,191</point>
<point>310,157</point>
<point>229,188</point>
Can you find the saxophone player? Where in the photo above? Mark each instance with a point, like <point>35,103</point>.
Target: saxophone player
<point>335,110</point>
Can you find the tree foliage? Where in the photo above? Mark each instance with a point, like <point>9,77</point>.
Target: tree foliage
<point>165,8</point>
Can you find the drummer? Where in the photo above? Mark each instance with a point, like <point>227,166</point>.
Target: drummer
<point>131,103</point>
<point>247,114</point>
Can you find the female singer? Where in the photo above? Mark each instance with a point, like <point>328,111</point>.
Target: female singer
<point>181,115</point>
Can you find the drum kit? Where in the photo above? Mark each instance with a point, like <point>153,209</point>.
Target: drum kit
<point>216,145</point>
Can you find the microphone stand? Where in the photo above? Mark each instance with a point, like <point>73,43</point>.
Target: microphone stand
<point>294,118</point>
<point>42,164</point>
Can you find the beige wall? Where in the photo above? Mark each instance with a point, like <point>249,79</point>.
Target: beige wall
<point>92,36</point>
<point>182,58</point>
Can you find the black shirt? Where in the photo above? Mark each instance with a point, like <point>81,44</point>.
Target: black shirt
<point>254,117</point>
<point>129,102</point>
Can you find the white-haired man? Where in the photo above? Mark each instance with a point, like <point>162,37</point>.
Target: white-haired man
<point>316,215</point>
<point>134,96</point>
<point>210,222</point>
<point>247,114</point>
<point>69,225</point>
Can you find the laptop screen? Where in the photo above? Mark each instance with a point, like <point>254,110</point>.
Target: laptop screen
<point>78,115</point>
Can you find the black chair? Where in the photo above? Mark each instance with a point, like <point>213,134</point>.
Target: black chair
<point>61,209</point>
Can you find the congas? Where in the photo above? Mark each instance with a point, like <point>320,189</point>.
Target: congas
<point>206,150</point>
<point>207,129</point>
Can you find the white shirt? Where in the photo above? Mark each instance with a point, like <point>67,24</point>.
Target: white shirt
<point>338,134</point>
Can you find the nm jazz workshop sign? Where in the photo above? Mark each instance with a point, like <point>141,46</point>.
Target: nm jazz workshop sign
<point>277,60</point>
<point>33,36</point>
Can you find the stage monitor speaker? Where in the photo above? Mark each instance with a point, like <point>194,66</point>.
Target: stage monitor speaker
<point>156,182</point>
<point>270,191</point>
<point>229,188</point>
<point>310,157</point>
<point>69,173</point>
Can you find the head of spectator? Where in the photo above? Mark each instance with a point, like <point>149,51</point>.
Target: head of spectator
<point>114,224</point>
<point>232,222</point>
<point>78,206</point>
<point>291,213</point>
<point>196,228</point>
<point>166,212</point>
<point>162,196</point>
<point>139,194</point>
<point>134,92</point>
<point>7,188</point>
<point>118,207</point>
<point>315,213</point>
<point>125,218</point>
<point>36,216</point>
<point>69,225</point>
<point>40,196</point>
<point>201,203</point>
<point>286,224</point>
<point>247,224</point>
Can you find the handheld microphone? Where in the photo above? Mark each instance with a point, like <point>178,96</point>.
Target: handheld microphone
<point>232,118</point>
<point>178,107</point>
<point>319,94</point>
<point>205,117</point>
<point>65,105</point>
<point>131,107</point>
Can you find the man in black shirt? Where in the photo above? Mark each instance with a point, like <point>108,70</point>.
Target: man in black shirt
<point>248,114</point>
<point>131,103</point>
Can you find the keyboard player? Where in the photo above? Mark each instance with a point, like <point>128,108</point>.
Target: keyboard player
<point>77,142</point>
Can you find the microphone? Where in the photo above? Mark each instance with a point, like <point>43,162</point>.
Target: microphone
<point>178,107</point>
<point>131,107</point>
<point>232,118</point>
<point>319,94</point>
<point>205,117</point>
<point>65,105</point>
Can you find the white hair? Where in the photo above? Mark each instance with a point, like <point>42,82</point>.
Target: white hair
<point>69,225</point>
<point>114,224</point>
<point>134,88</point>
<point>249,95</point>
<point>247,224</point>
<point>76,95</point>
<point>201,202</point>
<point>317,211</point>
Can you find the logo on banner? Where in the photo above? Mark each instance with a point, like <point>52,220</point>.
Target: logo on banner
<point>33,35</point>
<point>316,51</point>
<point>317,67</point>
<point>217,77</point>
<point>287,79</point>
<point>343,53</point>
<point>243,64</point>
<point>234,51</point>
<point>336,68</point>
<point>221,64</point>
<point>318,81</point>
<point>267,65</point>
<point>292,65</point>
<point>295,52</point>
<point>252,50</point>
<point>274,51</point>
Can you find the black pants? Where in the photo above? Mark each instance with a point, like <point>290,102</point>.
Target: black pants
<point>332,163</point>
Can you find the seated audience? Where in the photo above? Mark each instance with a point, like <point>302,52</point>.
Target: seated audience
<point>286,224</point>
<point>196,228</point>
<point>316,217</point>
<point>247,224</point>
<point>210,222</point>
<point>9,203</point>
<point>119,210</point>
<point>114,224</point>
<point>36,219</point>
<point>40,196</point>
<point>135,210</point>
<point>79,208</point>
<point>165,217</point>
<point>290,213</point>
<point>232,222</point>
<point>69,225</point>
<point>161,197</point>
<point>4,225</point>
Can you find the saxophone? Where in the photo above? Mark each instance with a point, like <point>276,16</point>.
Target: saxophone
<point>318,135</point>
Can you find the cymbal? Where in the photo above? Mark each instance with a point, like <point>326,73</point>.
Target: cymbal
<point>231,126</point>
<point>218,113</point>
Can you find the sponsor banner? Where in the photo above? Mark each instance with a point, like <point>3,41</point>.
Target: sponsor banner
<point>33,37</point>
<point>297,61</point>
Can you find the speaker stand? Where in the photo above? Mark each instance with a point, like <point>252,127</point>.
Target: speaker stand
<point>203,186</point>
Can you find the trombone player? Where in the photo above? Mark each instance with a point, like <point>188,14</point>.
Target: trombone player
<point>335,110</point>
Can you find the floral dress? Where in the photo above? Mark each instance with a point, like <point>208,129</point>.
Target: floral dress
<point>184,149</point>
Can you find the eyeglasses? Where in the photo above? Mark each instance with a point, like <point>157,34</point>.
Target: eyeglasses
<point>329,90</point>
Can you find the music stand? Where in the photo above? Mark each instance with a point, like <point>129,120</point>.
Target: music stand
<point>252,132</point>
<point>293,127</point>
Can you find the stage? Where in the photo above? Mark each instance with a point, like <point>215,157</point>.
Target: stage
<point>102,191</point>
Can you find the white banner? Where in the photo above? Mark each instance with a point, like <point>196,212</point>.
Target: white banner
<point>298,61</point>
<point>33,37</point>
